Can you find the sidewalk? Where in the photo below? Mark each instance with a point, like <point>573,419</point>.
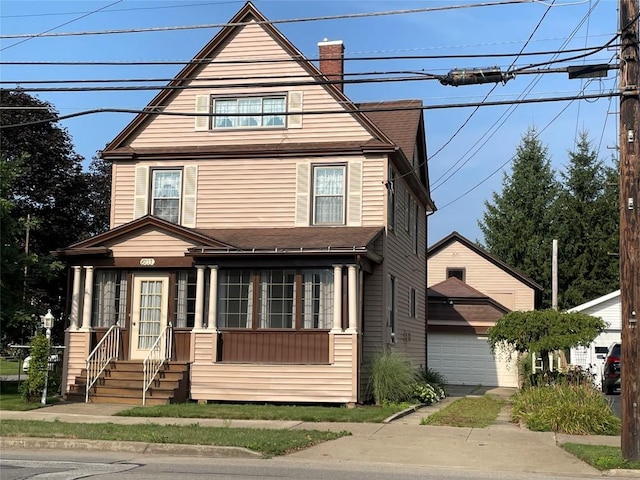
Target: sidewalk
<point>503,446</point>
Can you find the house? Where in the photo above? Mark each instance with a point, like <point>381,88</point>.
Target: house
<point>591,358</point>
<point>469,290</point>
<point>267,237</point>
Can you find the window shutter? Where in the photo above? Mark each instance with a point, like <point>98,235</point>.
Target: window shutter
<point>302,195</point>
<point>295,105</point>
<point>141,192</point>
<point>189,193</point>
<point>354,200</point>
<point>202,106</point>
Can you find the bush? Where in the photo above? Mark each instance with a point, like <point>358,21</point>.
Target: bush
<point>392,378</point>
<point>33,386</point>
<point>432,377</point>
<point>427,393</point>
<point>571,409</point>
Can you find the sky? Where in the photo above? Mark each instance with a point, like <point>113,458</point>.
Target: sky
<point>469,148</point>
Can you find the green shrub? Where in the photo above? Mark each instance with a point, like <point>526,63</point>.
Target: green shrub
<point>392,378</point>
<point>571,409</point>
<point>432,377</point>
<point>427,393</point>
<point>33,386</point>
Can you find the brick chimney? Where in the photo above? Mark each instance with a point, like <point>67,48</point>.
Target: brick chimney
<point>332,60</point>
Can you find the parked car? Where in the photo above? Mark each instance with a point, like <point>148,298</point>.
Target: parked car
<point>611,370</point>
<point>53,360</point>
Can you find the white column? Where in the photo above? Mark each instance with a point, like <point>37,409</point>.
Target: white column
<point>197,324</point>
<point>88,298</point>
<point>337,298</point>
<point>213,297</point>
<point>352,276</point>
<point>75,298</point>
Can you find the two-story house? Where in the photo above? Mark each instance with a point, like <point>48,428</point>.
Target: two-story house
<point>267,234</point>
<point>469,291</point>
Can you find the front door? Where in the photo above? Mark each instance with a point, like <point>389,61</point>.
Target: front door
<point>149,312</point>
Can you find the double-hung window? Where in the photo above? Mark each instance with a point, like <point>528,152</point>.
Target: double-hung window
<point>329,194</point>
<point>109,298</point>
<point>249,112</point>
<point>165,194</point>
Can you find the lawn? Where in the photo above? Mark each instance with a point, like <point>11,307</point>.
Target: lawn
<point>266,441</point>
<point>474,412</point>
<point>10,398</point>
<point>600,456</point>
<point>303,413</point>
<point>9,367</point>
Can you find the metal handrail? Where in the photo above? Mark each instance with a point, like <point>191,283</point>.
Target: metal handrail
<point>159,353</point>
<point>106,350</point>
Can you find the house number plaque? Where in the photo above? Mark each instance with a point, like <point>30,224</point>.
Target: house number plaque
<point>147,262</point>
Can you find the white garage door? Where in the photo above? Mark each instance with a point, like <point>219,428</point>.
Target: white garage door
<point>467,360</point>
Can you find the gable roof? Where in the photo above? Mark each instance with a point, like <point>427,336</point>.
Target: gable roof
<point>453,287</point>
<point>456,237</point>
<point>245,15</point>
<point>596,301</point>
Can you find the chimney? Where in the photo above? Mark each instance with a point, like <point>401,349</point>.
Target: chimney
<point>332,61</point>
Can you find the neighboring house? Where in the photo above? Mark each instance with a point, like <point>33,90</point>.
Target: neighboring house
<point>277,238</point>
<point>469,290</point>
<point>591,358</point>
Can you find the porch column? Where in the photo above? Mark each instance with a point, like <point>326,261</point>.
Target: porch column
<point>213,298</point>
<point>75,298</point>
<point>197,324</point>
<point>88,298</point>
<point>352,276</point>
<point>337,298</point>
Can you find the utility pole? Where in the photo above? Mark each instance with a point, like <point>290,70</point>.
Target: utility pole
<point>629,226</point>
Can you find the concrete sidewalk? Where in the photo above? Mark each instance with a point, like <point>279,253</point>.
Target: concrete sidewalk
<point>503,446</point>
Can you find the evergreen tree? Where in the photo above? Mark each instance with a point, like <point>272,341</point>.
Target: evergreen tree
<point>517,222</point>
<point>586,227</point>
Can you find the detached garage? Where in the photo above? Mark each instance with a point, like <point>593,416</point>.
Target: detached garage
<point>459,317</point>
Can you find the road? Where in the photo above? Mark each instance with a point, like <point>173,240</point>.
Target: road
<point>65,465</point>
<point>614,401</point>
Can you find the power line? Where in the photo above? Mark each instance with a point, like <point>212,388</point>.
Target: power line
<point>160,111</point>
<point>274,22</point>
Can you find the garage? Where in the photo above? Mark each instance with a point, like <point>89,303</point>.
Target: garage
<point>465,359</point>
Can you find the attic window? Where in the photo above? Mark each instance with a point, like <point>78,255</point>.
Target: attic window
<point>459,273</point>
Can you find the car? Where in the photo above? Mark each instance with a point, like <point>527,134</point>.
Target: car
<point>611,370</point>
<point>53,360</point>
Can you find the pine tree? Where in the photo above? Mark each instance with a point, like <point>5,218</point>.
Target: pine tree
<point>586,227</point>
<point>517,222</point>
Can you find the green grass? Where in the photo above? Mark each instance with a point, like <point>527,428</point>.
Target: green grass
<point>575,410</point>
<point>367,414</point>
<point>266,441</point>
<point>600,456</point>
<point>9,367</point>
<point>10,398</point>
<point>473,412</point>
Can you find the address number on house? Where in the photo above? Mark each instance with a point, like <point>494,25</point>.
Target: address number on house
<point>147,262</point>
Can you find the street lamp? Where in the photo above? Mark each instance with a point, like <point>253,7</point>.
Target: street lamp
<point>47,323</point>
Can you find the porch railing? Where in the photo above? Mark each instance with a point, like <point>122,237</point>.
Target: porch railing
<point>107,349</point>
<point>159,353</point>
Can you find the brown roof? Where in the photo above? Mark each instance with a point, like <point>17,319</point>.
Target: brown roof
<point>324,238</point>
<point>453,287</point>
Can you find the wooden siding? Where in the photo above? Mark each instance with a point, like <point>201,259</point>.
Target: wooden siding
<point>274,382</point>
<point>149,243</point>
<point>248,193</point>
<point>311,347</point>
<point>250,43</point>
<point>76,355</point>
<point>481,275</point>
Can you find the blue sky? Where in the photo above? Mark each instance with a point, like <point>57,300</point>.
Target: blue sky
<point>488,139</point>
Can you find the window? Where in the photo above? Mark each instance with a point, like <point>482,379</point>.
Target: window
<point>249,112</point>
<point>281,293</point>
<point>391,307</point>
<point>412,302</point>
<point>416,227</point>
<point>185,299</point>
<point>165,194</point>
<point>328,195</point>
<point>407,211</point>
<point>391,200</point>
<point>459,273</point>
<point>109,298</point>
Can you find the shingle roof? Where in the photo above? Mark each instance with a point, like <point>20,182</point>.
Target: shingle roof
<point>453,287</point>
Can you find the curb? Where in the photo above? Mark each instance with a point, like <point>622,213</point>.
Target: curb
<point>209,451</point>
<point>622,473</point>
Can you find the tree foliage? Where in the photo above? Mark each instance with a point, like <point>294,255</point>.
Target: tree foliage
<point>517,223</point>
<point>46,198</point>
<point>544,331</point>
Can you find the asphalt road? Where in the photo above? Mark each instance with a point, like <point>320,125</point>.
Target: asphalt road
<point>65,465</point>
<point>614,401</point>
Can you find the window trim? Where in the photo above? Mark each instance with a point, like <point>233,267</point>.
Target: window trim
<point>151,193</point>
<point>452,270</point>
<point>314,196</point>
<point>412,302</point>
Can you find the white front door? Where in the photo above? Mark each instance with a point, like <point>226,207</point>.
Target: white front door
<point>149,312</point>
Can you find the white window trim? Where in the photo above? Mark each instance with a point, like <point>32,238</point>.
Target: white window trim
<point>316,167</point>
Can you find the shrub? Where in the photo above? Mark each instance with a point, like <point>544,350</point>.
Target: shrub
<point>427,393</point>
<point>33,386</point>
<point>392,378</point>
<point>571,409</point>
<point>432,377</point>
